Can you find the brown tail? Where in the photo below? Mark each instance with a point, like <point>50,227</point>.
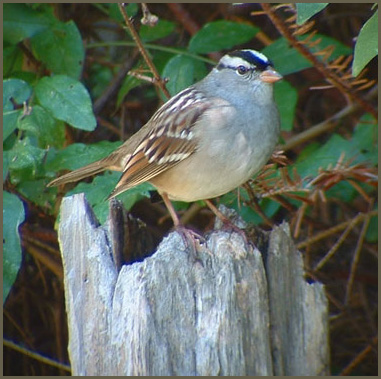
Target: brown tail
<point>81,173</point>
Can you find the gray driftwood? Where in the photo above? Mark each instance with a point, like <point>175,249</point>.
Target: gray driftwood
<point>227,309</point>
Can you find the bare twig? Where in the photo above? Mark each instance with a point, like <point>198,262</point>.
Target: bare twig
<point>37,356</point>
<point>360,357</point>
<point>334,230</point>
<point>157,79</point>
<point>335,247</point>
<point>356,258</point>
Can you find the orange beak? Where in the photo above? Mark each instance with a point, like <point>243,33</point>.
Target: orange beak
<point>270,76</point>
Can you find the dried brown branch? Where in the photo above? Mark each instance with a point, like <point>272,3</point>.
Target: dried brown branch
<point>290,30</point>
<point>335,229</point>
<point>355,260</point>
<point>359,358</point>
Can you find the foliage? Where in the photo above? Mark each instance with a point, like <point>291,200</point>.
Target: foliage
<point>60,62</point>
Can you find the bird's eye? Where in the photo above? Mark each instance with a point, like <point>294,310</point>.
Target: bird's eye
<point>242,70</point>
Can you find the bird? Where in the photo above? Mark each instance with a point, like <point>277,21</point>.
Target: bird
<point>205,141</point>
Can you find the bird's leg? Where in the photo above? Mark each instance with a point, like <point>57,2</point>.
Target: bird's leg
<point>186,233</point>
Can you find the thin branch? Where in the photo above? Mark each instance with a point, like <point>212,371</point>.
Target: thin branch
<point>37,356</point>
<point>338,243</point>
<point>356,258</point>
<point>158,81</point>
<point>360,357</point>
<point>333,230</point>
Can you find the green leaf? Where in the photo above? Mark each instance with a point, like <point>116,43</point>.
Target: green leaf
<point>21,21</point>
<point>151,33</point>
<point>323,157</point>
<point>367,45</point>
<point>25,160</point>
<point>129,83</point>
<point>37,192</point>
<point>365,138</point>
<point>307,10</point>
<point>327,155</point>
<point>220,35</point>
<point>18,91</point>
<point>100,188</point>
<point>12,60</point>
<point>286,97</point>
<point>68,158</point>
<point>10,119</point>
<point>5,164</point>
<point>182,71</point>
<point>372,232</point>
<point>60,48</point>
<point>13,216</point>
<point>269,207</point>
<point>67,100</point>
<point>47,130</point>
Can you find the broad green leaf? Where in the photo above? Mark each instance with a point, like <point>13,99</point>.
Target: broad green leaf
<point>20,21</point>
<point>25,160</point>
<point>365,138</point>
<point>328,155</point>
<point>307,10</point>
<point>27,76</point>
<point>220,35</point>
<point>372,232</point>
<point>323,157</point>
<point>5,164</point>
<point>13,216</point>
<point>151,33</point>
<point>269,207</point>
<point>61,48</point>
<point>18,91</point>
<point>367,45</point>
<point>10,119</point>
<point>343,191</point>
<point>68,100</point>
<point>100,188</point>
<point>182,71</point>
<point>12,60</point>
<point>286,97</point>
<point>37,192</point>
<point>78,155</point>
<point>129,83</point>
<point>41,124</point>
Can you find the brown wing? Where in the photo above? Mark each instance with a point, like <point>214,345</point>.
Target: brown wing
<point>168,143</point>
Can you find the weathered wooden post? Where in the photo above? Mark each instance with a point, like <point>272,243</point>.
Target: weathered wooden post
<point>227,309</point>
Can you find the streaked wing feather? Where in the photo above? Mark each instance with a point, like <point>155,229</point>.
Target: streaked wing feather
<point>166,145</point>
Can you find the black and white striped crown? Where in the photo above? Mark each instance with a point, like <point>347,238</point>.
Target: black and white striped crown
<point>245,57</point>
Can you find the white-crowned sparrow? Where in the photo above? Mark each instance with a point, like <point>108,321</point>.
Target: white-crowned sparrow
<point>205,141</point>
